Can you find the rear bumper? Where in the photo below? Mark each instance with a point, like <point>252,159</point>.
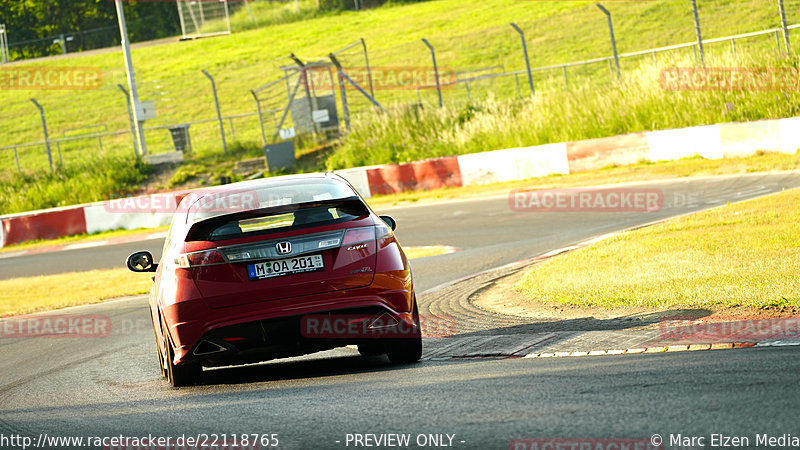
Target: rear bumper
<point>289,336</point>
<point>271,329</point>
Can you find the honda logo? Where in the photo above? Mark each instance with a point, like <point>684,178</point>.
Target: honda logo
<point>284,248</point>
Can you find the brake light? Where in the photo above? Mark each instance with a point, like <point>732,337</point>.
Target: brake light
<point>357,235</point>
<point>199,259</point>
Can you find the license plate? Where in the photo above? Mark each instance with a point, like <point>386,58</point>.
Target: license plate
<point>286,266</point>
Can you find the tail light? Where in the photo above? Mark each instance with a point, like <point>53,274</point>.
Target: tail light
<point>358,235</point>
<point>203,258</point>
<point>365,234</point>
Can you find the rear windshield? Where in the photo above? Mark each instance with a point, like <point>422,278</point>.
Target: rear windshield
<point>278,219</point>
<point>268,195</point>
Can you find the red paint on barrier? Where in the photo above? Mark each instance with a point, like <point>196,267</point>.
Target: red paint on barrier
<point>45,225</point>
<point>592,154</point>
<point>421,175</point>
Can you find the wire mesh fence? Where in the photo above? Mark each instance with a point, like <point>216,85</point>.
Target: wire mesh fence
<point>286,96</point>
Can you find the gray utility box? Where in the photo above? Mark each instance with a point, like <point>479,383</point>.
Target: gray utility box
<point>280,156</point>
<point>181,139</point>
<point>303,117</point>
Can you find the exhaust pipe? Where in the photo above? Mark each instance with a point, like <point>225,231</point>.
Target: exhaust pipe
<point>206,347</point>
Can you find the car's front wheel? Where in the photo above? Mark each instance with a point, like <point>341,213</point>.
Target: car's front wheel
<point>179,375</point>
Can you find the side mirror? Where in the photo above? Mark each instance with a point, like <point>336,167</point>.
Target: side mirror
<point>141,262</point>
<point>389,221</point>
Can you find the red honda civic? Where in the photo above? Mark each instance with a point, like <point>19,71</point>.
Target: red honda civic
<point>275,268</point>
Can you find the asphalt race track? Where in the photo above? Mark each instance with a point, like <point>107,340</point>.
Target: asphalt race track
<point>110,386</point>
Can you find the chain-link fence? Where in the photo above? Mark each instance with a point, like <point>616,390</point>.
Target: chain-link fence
<point>317,95</point>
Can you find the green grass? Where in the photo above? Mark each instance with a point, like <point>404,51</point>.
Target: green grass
<point>46,292</point>
<point>170,73</point>
<point>468,34</point>
<point>91,179</point>
<point>638,103</point>
<point>741,254</point>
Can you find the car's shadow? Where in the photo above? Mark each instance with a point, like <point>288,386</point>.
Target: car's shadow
<point>311,366</point>
<point>336,362</point>
<point>590,323</point>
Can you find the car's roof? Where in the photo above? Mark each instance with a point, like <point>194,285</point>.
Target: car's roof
<point>261,193</point>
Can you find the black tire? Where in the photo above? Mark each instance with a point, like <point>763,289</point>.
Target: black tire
<point>371,348</point>
<point>182,375</point>
<point>158,349</point>
<point>406,351</point>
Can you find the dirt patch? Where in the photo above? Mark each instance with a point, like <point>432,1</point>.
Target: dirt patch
<point>159,178</point>
<point>501,297</point>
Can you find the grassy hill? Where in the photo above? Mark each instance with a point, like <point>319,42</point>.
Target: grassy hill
<point>468,35</point>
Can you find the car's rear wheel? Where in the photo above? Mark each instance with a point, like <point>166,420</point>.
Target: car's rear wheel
<point>409,350</point>
<point>371,348</point>
<point>159,350</point>
<point>179,375</point>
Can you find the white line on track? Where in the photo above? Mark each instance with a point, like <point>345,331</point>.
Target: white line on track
<point>86,245</point>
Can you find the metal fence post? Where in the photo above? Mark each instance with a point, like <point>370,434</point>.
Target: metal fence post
<point>613,39</point>
<point>733,47</point>
<point>342,91</point>
<point>785,27</point>
<point>219,114</point>
<point>353,83</point>
<point>260,118</point>
<point>369,70</point>
<point>525,52</point>
<point>4,56</point>
<point>46,136</point>
<point>62,40</point>
<point>130,118</point>
<point>141,139</point>
<point>699,33</point>
<point>566,79</point>
<point>16,157</point>
<point>306,87</point>
<point>435,71</point>
<point>233,130</point>
<point>778,40</point>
